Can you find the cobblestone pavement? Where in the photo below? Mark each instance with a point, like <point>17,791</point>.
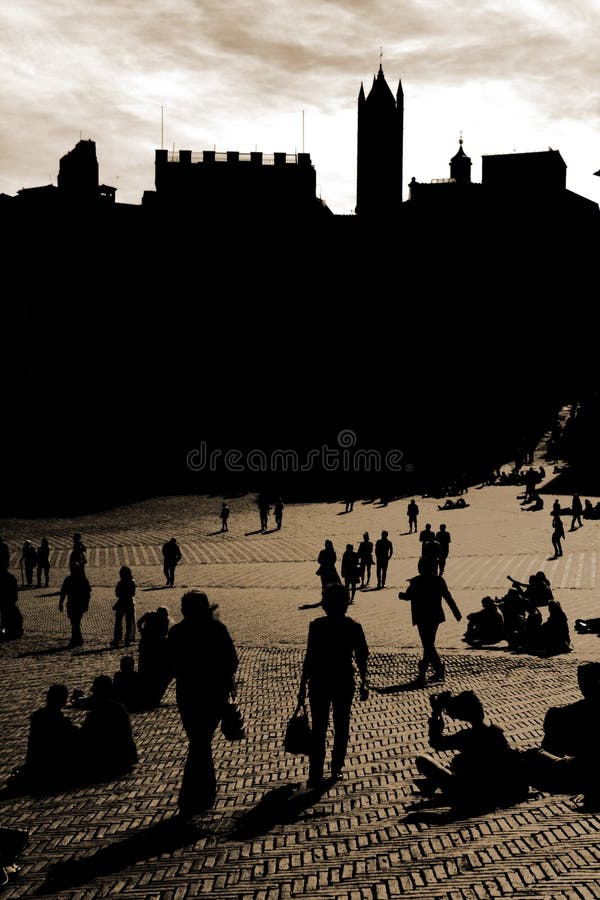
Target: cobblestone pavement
<point>368,836</point>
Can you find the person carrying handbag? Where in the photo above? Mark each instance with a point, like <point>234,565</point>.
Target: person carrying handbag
<point>335,641</point>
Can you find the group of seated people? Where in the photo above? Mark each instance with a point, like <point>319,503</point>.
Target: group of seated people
<point>516,476</point>
<point>58,750</point>
<point>517,619</point>
<point>487,772</point>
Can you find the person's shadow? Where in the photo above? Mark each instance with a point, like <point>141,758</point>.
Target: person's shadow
<point>167,836</point>
<point>280,806</point>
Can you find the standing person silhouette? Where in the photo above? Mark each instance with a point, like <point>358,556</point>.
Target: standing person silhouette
<point>558,535</point>
<point>264,508</point>
<point>425,592</point>
<point>426,535</point>
<point>350,570</point>
<point>11,620</point>
<point>383,554</point>
<point>4,554</point>
<point>327,559</point>
<point>78,553</point>
<point>224,516</point>
<point>43,562</point>
<point>28,559</point>
<point>334,641</point>
<point>172,556</point>
<point>278,513</point>
<point>365,558</point>
<point>77,591</point>
<point>204,662</point>
<point>576,511</point>
<point>412,512</point>
<point>124,608</point>
<point>444,540</point>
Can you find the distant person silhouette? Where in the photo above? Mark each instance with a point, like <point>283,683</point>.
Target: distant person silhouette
<point>264,508</point>
<point>334,642</point>
<point>28,561</point>
<point>412,512</point>
<point>278,513</point>
<point>224,516</point>
<point>204,662</point>
<point>426,535</point>
<point>11,620</point>
<point>327,559</point>
<point>349,506</point>
<point>108,747</point>
<point>576,511</point>
<point>558,535</point>
<point>365,558</point>
<point>43,563</point>
<point>485,771</point>
<point>426,592</point>
<point>154,664</point>
<point>444,540</point>
<point>77,591</point>
<point>78,554</point>
<point>350,570</point>
<point>171,556</point>
<point>4,554</point>
<point>124,608</point>
<point>53,743</point>
<point>383,554</point>
<point>556,508</point>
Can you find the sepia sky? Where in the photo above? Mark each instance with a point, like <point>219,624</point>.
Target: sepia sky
<point>512,74</point>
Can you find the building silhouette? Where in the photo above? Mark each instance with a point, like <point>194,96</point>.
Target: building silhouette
<point>379,150</point>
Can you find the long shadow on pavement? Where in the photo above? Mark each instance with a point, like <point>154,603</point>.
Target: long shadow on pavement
<point>414,685</point>
<point>279,806</point>
<point>165,837</point>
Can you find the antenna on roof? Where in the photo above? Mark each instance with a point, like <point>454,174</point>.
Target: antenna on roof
<point>303,131</point>
<point>162,127</point>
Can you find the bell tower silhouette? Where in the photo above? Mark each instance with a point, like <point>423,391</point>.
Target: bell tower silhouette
<point>379,150</point>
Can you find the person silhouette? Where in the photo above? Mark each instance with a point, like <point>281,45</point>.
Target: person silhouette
<point>53,741</point>
<point>558,535</point>
<point>171,556</point>
<point>264,508</point>
<point>43,563</point>
<point>412,512</point>
<point>350,570</point>
<point>365,558</point>
<point>154,665</point>
<point>327,559</point>
<point>11,620</point>
<point>334,641</point>
<point>383,554</point>
<point>128,687</point>
<point>576,511</point>
<point>224,516</point>
<point>78,554</point>
<point>108,747</point>
<point>426,535</point>
<point>4,554</point>
<point>349,506</point>
<point>278,513</point>
<point>204,662</point>
<point>443,538</point>
<point>77,591</point>
<point>124,608</point>
<point>425,592</point>
<point>28,560</point>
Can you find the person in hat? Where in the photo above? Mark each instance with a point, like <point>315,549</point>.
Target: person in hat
<point>204,661</point>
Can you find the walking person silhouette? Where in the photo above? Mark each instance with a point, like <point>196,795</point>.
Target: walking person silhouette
<point>383,554</point>
<point>204,662</point>
<point>171,556</point>
<point>365,558</point>
<point>334,641</point>
<point>412,512</point>
<point>43,563</point>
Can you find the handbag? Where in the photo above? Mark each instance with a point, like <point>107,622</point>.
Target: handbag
<point>232,720</point>
<point>297,732</point>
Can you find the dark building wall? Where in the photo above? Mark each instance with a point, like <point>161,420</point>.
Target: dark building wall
<point>534,172</point>
<point>379,150</point>
<point>78,172</point>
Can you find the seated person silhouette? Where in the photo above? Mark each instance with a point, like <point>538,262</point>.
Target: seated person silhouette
<point>536,592</point>
<point>485,772</point>
<point>554,636</point>
<point>54,741</point>
<point>529,639</point>
<point>154,663</point>
<point>537,503</point>
<point>128,687</point>
<point>514,608</point>
<point>108,748</point>
<point>587,626</point>
<point>567,761</point>
<point>454,504</point>
<point>485,626</point>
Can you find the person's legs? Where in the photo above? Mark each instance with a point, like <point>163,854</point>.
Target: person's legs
<point>442,563</point>
<point>379,570</point>
<point>369,565</point>
<point>341,706</point>
<point>166,570</point>
<point>438,775</point>
<point>383,573</point>
<point>130,625</point>
<point>118,632</point>
<point>427,633</point>
<point>199,784</point>
<point>75,617</point>
<point>320,702</point>
<point>46,574</point>
<point>39,574</point>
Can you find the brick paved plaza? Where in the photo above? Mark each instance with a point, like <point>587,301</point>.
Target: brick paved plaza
<point>368,836</point>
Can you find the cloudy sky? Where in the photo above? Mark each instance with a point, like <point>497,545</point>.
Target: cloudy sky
<point>512,74</point>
